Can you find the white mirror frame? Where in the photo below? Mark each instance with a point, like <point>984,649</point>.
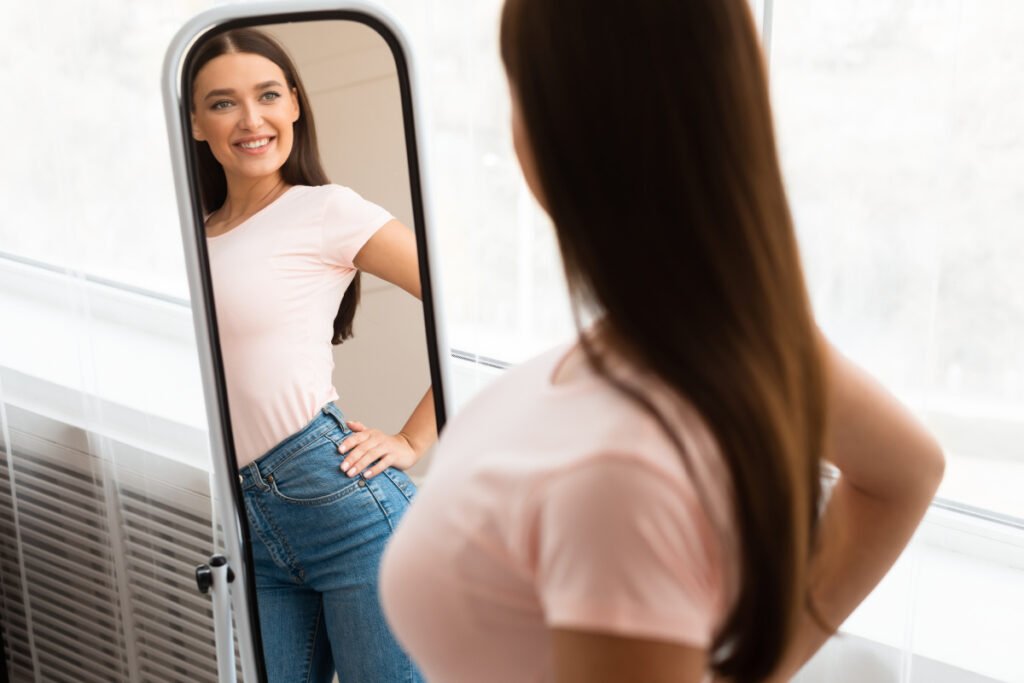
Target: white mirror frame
<point>226,494</point>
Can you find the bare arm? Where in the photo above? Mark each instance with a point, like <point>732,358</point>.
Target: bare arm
<point>420,430</point>
<point>583,657</point>
<point>890,468</point>
<point>391,255</point>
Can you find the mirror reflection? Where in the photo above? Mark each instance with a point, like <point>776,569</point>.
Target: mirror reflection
<point>316,284</point>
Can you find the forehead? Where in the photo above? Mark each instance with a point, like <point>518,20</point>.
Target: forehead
<point>236,71</point>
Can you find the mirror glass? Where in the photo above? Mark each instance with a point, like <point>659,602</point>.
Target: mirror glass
<point>288,243</point>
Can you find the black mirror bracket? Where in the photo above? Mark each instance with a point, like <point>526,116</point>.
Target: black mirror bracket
<point>215,578</point>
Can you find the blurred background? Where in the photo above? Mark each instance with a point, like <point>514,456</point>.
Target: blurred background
<point>901,128</point>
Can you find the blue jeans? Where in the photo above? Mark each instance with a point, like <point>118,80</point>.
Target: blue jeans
<point>317,538</point>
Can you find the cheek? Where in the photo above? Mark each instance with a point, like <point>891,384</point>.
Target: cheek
<point>216,131</point>
<point>526,163</point>
<point>286,136</point>
<point>520,150</point>
<point>519,144</point>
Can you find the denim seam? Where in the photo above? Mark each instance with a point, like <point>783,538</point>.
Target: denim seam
<point>339,417</point>
<point>255,481</point>
<point>289,561</point>
<point>351,488</point>
<point>311,442</point>
<point>311,645</point>
<point>398,484</point>
<point>380,504</point>
<point>344,435</point>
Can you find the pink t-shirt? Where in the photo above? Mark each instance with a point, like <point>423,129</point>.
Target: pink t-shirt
<point>559,506</point>
<point>278,279</point>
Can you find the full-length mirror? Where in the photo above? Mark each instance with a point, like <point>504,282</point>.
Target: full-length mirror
<point>309,241</point>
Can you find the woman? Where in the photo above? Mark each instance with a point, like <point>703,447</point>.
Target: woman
<point>285,246</point>
<point>644,505</point>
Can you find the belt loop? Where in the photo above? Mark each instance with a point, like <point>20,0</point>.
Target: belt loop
<point>257,477</point>
<point>334,412</point>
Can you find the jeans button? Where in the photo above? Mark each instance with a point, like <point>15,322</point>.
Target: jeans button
<point>362,483</point>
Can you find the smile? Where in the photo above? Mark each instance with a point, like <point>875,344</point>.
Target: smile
<point>254,144</point>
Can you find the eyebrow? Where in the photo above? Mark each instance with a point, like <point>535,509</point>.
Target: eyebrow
<point>230,91</point>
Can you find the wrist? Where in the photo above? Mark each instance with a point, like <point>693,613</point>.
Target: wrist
<point>412,443</point>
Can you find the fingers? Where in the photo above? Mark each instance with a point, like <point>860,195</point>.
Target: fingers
<point>361,449</point>
<point>371,451</point>
<point>358,463</point>
<point>379,466</point>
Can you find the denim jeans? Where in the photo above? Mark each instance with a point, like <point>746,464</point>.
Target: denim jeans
<point>317,538</point>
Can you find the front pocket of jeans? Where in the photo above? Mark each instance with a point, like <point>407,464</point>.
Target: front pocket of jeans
<point>314,478</point>
<point>349,487</point>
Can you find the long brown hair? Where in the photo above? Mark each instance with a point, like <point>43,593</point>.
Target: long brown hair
<point>303,165</point>
<point>652,137</point>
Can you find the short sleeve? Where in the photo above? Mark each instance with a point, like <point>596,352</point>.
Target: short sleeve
<point>349,222</point>
<point>626,549</point>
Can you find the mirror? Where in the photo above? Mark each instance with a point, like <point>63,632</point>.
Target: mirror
<point>294,141</point>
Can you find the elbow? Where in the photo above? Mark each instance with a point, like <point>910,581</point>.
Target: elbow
<point>931,467</point>
<point>936,466</point>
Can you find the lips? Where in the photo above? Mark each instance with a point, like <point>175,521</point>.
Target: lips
<point>254,145</point>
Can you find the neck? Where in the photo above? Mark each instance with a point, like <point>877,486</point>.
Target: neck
<point>246,196</point>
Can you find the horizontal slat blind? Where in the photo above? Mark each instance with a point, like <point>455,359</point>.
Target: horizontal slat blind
<point>80,620</point>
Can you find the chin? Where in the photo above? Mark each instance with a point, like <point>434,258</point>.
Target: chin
<point>261,170</point>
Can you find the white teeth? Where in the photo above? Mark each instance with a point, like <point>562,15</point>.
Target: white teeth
<point>254,144</point>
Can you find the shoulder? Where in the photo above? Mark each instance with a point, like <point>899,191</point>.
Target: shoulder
<point>345,206</point>
<point>519,385</point>
<point>590,416</point>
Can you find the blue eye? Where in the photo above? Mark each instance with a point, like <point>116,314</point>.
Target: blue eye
<point>270,96</point>
<point>221,104</point>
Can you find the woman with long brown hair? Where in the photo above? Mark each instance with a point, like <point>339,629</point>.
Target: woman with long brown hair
<point>285,247</point>
<point>646,505</point>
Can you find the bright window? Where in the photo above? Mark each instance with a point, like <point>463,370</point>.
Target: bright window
<point>901,128</point>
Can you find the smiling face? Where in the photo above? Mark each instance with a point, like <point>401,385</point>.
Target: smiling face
<point>243,108</point>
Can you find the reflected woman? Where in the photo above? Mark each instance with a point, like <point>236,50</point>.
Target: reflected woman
<point>643,505</point>
<point>322,494</point>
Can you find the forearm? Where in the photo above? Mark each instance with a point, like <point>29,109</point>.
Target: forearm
<point>420,430</point>
<point>890,468</point>
<point>860,538</point>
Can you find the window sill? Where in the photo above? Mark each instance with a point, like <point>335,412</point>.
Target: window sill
<point>108,360</point>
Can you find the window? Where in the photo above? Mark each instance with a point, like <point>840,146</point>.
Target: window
<point>87,180</point>
<point>901,129</point>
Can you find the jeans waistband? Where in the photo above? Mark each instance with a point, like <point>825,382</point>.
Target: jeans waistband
<point>328,419</point>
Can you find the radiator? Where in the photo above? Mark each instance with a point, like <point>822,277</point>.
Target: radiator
<point>98,540</point>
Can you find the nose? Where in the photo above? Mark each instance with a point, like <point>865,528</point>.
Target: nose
<point>251,119</point>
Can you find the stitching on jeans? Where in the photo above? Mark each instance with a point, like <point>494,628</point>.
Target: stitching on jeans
<point>313,441</point>
<point>383,510</point>
<point>399,484</point>
<point>337,416</point>
<point>311,646</point>
<point>351,488</point>
<point>337,442</point>
<point>288,561</point>
<point>259,526</point>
